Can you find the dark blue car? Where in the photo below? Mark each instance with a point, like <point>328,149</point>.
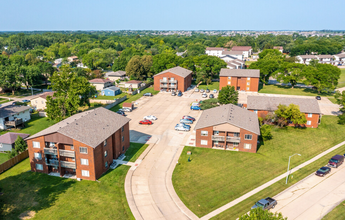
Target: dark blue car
<point>195,107</point>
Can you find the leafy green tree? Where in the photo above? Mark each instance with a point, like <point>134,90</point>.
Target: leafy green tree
<point>203,77</point>
<point>64,51</point>
<point>340,98</point>
<point>290,114</point>
<point>20,145</point>
<point>227,95</point>
<point>31,75</point>
<point>267,68</point>
<point>161,62</point>
<point>260,214</point>
<point>265,131</point>
<point>10,77</point>
<point>139,67</point>
<point>195,49</point>
<point>209,103</point>
<point>290,73</point>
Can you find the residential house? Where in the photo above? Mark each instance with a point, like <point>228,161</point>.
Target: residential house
<point>39,102</point>
<point>82,146</point>
<point>7,140</point>
<point>326,59</point>
<point>134,84</point>
<point>111,91</point>
<point>173,79</point>
<point>228,56</point>
<point>340,58</point>
<point>305,59</point>
<point>14,116</point>
<point>242,79</point>
<point>228,127</point>
<point>72,59</point>
<point>280,48</point>
<point>81,65</point>
<point>101,84</point>
<point>118,75</point>
<point>235,64</point>
<point>262,105</point>
<point>246,50</point>
<point>58,61</point>
<point>214,51</point>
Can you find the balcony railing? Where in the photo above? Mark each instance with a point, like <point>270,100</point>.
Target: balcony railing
<point>68,164</point>
<point>164,86</point>
<point>50,151</point>
<point>233,139</point>
<point>17,121</point>
<point>67,153</point>
<point>164,81</point>
<point>172,81</point>
<point>218,138</point>
<point>173,86</point>
<point>52,162</point>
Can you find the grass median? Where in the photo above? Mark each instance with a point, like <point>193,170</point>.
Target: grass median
<point>134,151</point>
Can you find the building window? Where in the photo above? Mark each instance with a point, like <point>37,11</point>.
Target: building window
<point>229,77</point>
<point>84,161</point>
<point>229,82</point>
<point>106,164</point>
<point>72,147</point>
<point>123,128</point>
<point>38,156</point>
<point>235,144</point>
<point>247,137</point>
<point>236,134</point>
<point>247,146</point>
<point>105,143</point>
<point>308,122</point>
<point>123,138</point>
<point>203,142</point>
<point>123,148</point>
<point>105,153</point>
<point>39,166</point>
<point>248,78</point>
<point>310,115</point>
<point>83,150</point>
<point>1,145</point>
<point>247,88</point>
<point>248,83</point>
<point>204,133</point>
<point>42,102</point>
<point>256,111</point>
<point>85,173</point>
<point>36,144</point>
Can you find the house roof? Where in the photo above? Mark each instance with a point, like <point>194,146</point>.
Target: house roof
<point>12,109</point>
<point>117,73</point>
<point>238,61</point>
<point>232,52</point>
<point>342,55</point>
<point>231,65</point>
<point>308,56</point>
<point>114,88</point>
<point>241,48</point>
<point>240,72</point>
<point>324,56</point>
<point>267,103</point>
<point>89,127</point>
<point>180,71</point>
<point>278,47</point>
<point>214,48</point>
<point>73,57</point>
<point>44,95</point>
<point>10,138</point>
<point>230,114</point>
<point>133,82</point>
<point>99,81</point>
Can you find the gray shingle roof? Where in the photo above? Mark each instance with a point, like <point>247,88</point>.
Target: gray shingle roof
<point>114,88</point>
<point>239,72</point>
<point>231,114</point>
<point>12,109</point>
<point>241,48</point>
<point>180,71</point>
<point>90,127</point>
<point>271,103</point>
<point>10,138</point>
<point>232,52</point>
<point>117,73</point>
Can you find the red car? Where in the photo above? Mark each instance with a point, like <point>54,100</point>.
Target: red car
<point>145,122</point>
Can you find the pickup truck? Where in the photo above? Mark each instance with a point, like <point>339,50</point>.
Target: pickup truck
<point>265,204</point>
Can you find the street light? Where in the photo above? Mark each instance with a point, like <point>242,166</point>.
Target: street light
<point>287,174</point>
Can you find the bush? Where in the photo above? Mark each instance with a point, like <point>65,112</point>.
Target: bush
<point>266,132</point>
<point>209,103</point>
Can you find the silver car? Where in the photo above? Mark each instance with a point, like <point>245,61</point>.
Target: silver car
<point>204,95</point>
<point>181,128</point>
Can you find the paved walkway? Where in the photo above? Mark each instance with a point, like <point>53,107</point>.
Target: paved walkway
<point>258,189</point>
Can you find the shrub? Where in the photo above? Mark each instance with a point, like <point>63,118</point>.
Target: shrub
<point>266,132</point>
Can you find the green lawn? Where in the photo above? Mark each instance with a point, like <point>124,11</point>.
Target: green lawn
<point>341,81</point>
<point>215,177</point>
<point>337,213</point>
<point>3,100</point>
<point>20,93</point>
<point>111,97</point>
<point>134,151</point>
<point>3,157</point>
<point>286,90</point>
<point>212,86</point>
<point>60,198</point>
<point>249,62</point>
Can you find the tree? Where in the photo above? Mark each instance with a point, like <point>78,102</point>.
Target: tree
<point>267,68</point>
<point>227,95</point>
<point>265,131</point>
<point>20,145</point>
<point>260,214</point>
<point>64,51</point>
<point>203,77</point>
<point>290,73</point>
<point>195,49</point>
<point>290,114</point>
<point>161,62</point>
<point>139,67</point>
<point>10,77</point>
<point>340,99</point>
<point>31,75</point>
<point>209,103</point>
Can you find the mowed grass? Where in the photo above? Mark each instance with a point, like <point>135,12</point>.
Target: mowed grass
<point>19,93</point>
<point>3,157</point>
<point>3,100</point>
<point>59,198</point>
<point>341,81</point>
<point>111,97</point>
<point>287,90</point>
<point>216,177</point>
<point>337,213</point>
<point>134,151</point>
<point>212,86</point>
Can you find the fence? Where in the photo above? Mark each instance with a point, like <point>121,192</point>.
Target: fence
<point>142,88</point>
<point>116,102</point>
<point>13,161</point>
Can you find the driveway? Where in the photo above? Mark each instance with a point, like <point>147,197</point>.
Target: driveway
<point>313,197</point>
<point>151,187</point>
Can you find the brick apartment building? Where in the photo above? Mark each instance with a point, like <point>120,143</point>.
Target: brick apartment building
<point>228,127</point>
<point>242,79</point>
<point>82,146</point>
<point>262,105</point>
<point>173,79</point>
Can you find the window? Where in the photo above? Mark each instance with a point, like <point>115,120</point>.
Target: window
<point>105,143</point>
<point>1,145</point>
<point>215,132</point>
<point>247,137</point>
<point>204,133</point>
<point>36,144</point>
<point>248,78</point>
<point>38,156</point>
<point>256,111</point>
<point>123,148</point>
<point>308,122</point>
<point>84,161</point>
<point>83,150</point>
<point>123,138</point>
<point>248,83</point>
<point>229,82</point>
<point>229,77</point>
<point>42,102</point>
<point>72,147</point>
<point>203,142</point>
<point>106,164</point>
<point>235,144</point>
<point>247,88</point>
<point>236,134</point>
<point>310,115</point>
<point>123,128</point>
<point>39,166</point>
<point>105,153</point>
<point>247,146</point>
<point>85,173</point>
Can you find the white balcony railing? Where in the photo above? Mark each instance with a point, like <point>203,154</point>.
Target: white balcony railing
<point>50,151</point>
<point>233,139</point>
<point>67,153</point>
<point>218,138</point>
<point>66,164</point>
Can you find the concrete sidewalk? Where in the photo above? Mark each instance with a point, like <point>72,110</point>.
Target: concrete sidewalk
<point>258,189</point>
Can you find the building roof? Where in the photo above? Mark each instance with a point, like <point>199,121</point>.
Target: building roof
<point>10,138</point>
<point>241,48</point>
<point>238,61</point>
<point>214,48</point>
<point>72,57</point>
<point>117,73</point>
<point>278,47</point>
<point>267,103</point>
<point>114,88</point>
<point>231,65</point>
<point>308,56</point>
<point>341,55</point>
<point>44,95</point>
<point>99,81</point>
<point>133,82</point>
<point>232,52</point>
<point>12,109</point>
<point>240,72</point>
<point>89,127</point>
<point>230,114</point>
<point>180,71</point>
<point>324,56</point>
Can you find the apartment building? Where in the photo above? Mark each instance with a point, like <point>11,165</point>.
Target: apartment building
<point>173,79</point>
<point>246,50</point>
<point>214,51</point>
<point>228,127</point>
<point>242,79</point>
<point>81,146</point>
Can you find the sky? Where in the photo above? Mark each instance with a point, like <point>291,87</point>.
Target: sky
<point>39,15</point>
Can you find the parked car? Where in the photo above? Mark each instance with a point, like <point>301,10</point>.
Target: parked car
<point>323,171</point>
<point>207,90</point>
<point>188,117</point>
<point>150,117</point>
<point>148,94</point>
<point>181,128</point>
<point>173,93</point>
<point>196,90</point>
<point>179,94</point>
<point>186,121</point>
<point>215,91</point>
<point>196,103</point>
<point>211,96</point>
<point>195,107</point>
<point>204,95</point>
<point>201,90</point>
<point>145,122</point>
<point>121,113</point>
<point>183,125</point>
<point>336,161</point>
<point>318,97</point>
<point>265,204</point>
<point>126,109</point>
<point>25,100</point>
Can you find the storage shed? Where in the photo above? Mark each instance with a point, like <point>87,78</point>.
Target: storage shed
<point>111,91</point>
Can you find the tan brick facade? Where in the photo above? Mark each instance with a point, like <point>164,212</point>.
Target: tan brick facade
<point>182,83</point>
<point>248,84</point>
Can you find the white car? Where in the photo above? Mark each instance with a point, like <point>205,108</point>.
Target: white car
<point>181,128</point>
<point>204,95</point>
<point>126,109</point>
<point>150,117</point>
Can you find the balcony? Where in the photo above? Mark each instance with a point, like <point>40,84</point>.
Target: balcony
<point>50,151</point>
<point>173,86</point>
<point>233,139</point>
<point>66,164</point>
<point>67,153</point>
<point>164,86</point>
<point>52,162</point>
<point>172,81</point>
<point>218,138</point>
<point>164,81</point>
<point>14,123</point>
